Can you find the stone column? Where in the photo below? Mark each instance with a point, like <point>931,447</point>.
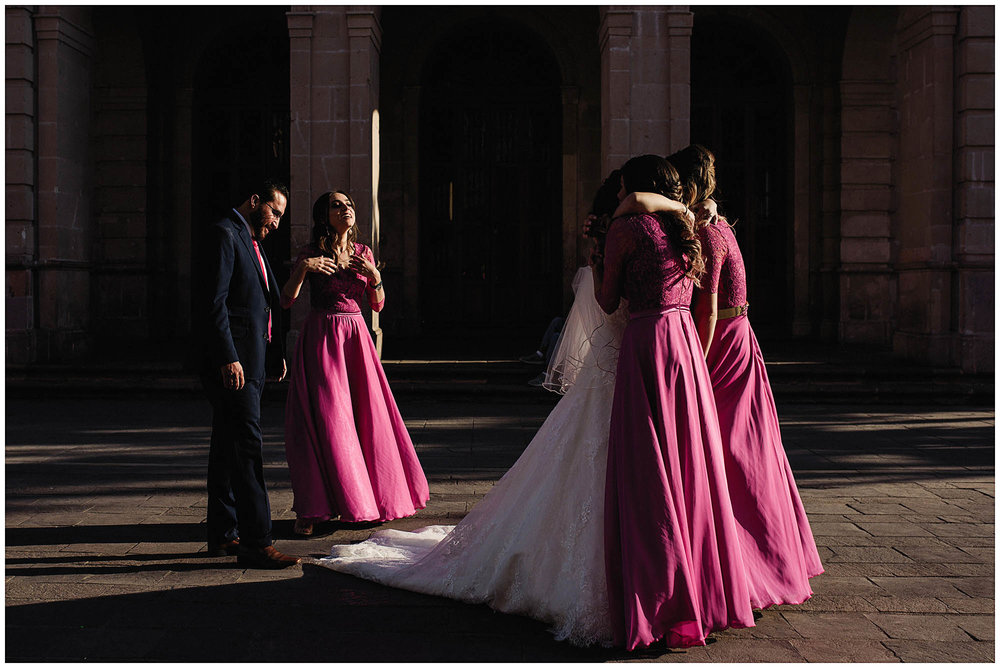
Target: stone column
<point>300,34</point>
<point>65,235</point>
<point>365,35</point>
<point>867,151</point>
<point>926,67</point>
<point>866,275</point>
<point>21,160</point>
<point>817,300</point>
<point>124,249</point>
<point>645,81</point>
<point>334,60</point>
<point>974,188</point>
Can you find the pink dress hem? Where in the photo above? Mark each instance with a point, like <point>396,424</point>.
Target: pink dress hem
<point>349,453</point>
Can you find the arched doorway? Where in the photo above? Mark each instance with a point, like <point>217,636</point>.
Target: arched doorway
<point>240,124</point>
<point>741,109</point>
<point>490,187</point>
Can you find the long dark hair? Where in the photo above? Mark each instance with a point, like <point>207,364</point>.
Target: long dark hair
<point>322,233</point>
<point>605,203</point>
<point>651,173</point>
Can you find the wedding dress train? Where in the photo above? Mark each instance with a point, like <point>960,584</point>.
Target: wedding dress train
<point>534,545</point>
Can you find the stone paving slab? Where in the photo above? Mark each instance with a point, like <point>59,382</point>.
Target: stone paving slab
<point>816,651</point>
<point>931,651</point>
<point>105,543</point>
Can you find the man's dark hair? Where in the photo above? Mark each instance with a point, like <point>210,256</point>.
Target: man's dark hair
<point>265,190</point>
<point>606,199</point>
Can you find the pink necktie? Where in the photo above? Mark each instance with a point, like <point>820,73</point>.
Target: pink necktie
<point>264,272</point>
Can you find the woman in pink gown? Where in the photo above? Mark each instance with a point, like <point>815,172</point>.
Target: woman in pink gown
<point>778,546</point>
<point>672,555</point>
<point>348,451</point>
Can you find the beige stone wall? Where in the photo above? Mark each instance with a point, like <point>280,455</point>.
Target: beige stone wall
<point>926,141</point>
<point>645,81</point>
<point>916,255</point>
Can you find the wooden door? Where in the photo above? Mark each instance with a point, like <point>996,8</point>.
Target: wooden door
<point>741,103</point>
<point>490,180</point>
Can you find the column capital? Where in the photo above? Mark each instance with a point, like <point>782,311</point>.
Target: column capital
<point>616,21</point>
<point>52,24</point>
<point>300,23</point>
<point>364,21</point>
<point>680,21</point>
<point>918,24</point>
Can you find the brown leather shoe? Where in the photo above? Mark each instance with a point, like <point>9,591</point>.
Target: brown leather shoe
<point>228,548</point>
<point>265,557</point>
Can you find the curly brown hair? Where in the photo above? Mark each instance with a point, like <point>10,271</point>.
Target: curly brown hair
<point>695,165</point>
<point>651,173</point>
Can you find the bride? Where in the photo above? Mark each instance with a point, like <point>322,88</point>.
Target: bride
<point>534,545</point>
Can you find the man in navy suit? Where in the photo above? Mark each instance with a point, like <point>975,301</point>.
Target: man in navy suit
<point>236,335</point>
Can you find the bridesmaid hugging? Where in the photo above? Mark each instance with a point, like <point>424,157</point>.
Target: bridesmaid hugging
<point>776,542</point>
<point>672,553</point>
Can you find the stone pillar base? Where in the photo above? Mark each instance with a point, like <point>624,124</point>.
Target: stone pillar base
<point>876,332</point>
<point>866,297</point>
<point>931,349</point>
<point>976,353</point>
<point>62,345</point>
<point>21,348</point>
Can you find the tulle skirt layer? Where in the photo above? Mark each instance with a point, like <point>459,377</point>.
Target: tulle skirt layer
<point>348,451</point>
<point>674,565</point>
<point>777,543</point>
<point>585,324</point>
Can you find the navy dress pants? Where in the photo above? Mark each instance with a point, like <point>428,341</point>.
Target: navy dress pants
<point>237,496</point>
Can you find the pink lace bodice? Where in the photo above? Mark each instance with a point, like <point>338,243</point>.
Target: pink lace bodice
<point>724,270</point>
<point>641,266</point>
<point>341,292</point>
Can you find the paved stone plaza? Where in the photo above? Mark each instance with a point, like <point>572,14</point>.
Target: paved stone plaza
<point>105,542</point>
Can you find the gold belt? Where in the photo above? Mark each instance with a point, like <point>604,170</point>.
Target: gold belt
<point>727,313</point>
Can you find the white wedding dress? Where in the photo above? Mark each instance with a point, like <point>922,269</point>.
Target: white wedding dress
<point>534,545</point>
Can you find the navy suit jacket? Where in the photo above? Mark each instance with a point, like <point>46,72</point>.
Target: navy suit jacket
<point>236,302</point>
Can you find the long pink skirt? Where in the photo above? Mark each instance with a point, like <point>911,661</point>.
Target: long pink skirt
<point>778,546</point>
<point>673,559</point>
<point>348,451</point>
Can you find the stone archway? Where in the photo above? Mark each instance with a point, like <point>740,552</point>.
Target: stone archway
<point>240,124</point>
<point>411,37</point>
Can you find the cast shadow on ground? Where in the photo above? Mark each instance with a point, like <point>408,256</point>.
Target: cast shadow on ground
<point>320,616</point>
<point>158,533</point>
